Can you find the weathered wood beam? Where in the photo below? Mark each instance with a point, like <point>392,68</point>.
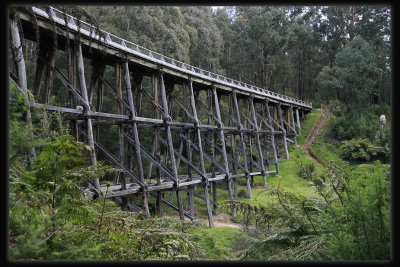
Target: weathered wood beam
<point>243,149</point>
<point>260,154</point>
<point>139,165</point>
<point>82,82</point>
<point>157,155</point>
<point>189,154</point>
<point>19,61</point>
<point>298,120</point>
<point>292,123</point>
<point>272,138</point>
<point>284,131</point>
<point>193,101</point>
<point>170,145</point>
<point>224,154</point>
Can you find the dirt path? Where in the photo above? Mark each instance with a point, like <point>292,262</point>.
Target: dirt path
<point>220,220</point>
<point>310,139</point>
<point>317,128</point>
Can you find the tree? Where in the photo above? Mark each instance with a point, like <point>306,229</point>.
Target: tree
<point>266,32</point>
<point>207,45</point>
<point>351,79</point>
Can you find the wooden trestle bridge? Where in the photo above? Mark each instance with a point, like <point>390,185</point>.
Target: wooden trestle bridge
<point>178,128</point>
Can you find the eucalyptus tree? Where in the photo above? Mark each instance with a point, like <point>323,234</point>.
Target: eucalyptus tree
<point>352,78</point>
<point>265,31</point>
<point>207,43</point>
<point>159,28</point>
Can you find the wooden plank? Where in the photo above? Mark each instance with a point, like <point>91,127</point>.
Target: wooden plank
<point>56,108</point>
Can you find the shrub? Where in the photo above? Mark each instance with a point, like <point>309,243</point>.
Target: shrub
<point>361,150</point>
<point>342,129</point>
<point>361,228</point>
<point>337,108</point>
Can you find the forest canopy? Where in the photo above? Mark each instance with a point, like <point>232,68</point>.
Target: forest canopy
<point>297,51</point>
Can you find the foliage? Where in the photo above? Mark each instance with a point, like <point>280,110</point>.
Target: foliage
<point>216,242</point>
<point>342,128</point>
<point>352,78</point>
<point>362,226</point>
<point>132,238</point>
<point>306,169</point>
<point>19,130</point>
<point>361,150</point>
<point>339,224</point>
<point>51,219</point>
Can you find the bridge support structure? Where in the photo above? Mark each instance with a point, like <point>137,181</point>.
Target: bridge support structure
<point>169,131</point>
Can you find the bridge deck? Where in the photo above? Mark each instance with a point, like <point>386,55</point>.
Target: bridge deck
<point>155,60</point>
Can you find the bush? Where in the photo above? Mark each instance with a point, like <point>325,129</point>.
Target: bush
<point>337,108</point>
<point>361,228</point>
<point>362,150</point>
<point>343,129</point>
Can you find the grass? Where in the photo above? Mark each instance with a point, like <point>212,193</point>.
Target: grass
<point>307,125</point>
<point>289,178</point>
<point>325,145</point>
<point>220,241</point>
<point>217,242</point>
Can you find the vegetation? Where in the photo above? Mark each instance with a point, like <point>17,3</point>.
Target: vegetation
<point>333,206</point>
<point>51,217</point>
<point>335,223</point>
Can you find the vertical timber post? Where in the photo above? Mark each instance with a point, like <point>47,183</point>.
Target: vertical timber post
<point>188,150</point>
<point>136,138</point>
<point>159,202</point>
<point>233,143</point>
<point>223,147</point>
<point>118,85</point>
<point>82,82</point>
<point>293,125</point>
<point>170,145</point>
<point>260,154</point>
<point>272,137</point>
<point>242,144</point>
<point>18,58</point>
<point>298,120</point>
<point>202,166</point>
<point>283,129</point>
